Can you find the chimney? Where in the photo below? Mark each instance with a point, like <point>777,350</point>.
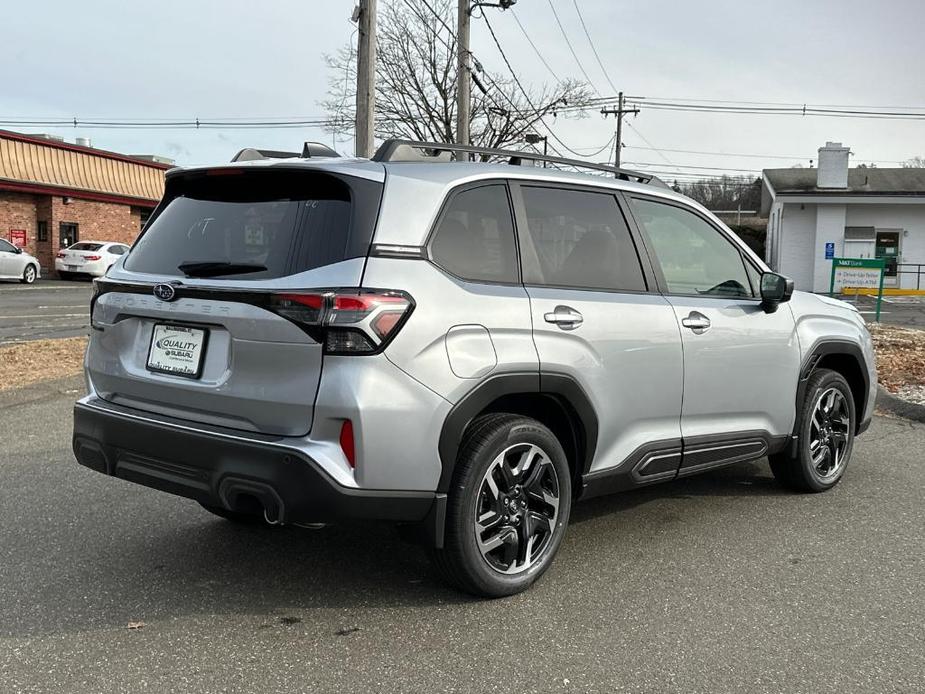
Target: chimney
<point>833,166</point>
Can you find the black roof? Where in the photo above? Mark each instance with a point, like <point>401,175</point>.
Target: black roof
<point>861,181</point>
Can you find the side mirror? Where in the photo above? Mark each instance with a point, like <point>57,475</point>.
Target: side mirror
<point>18,250</point>
<point>775,289</point>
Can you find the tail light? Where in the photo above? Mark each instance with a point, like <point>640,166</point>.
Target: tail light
<point>347,321</point>
<point>92,257</point>
<point>61,255</point>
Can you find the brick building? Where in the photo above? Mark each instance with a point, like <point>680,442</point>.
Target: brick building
<point>53,193</point>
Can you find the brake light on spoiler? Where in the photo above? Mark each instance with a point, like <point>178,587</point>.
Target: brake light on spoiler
<point>346,321</point>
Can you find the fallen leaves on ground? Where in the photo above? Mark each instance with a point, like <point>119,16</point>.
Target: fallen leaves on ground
<point>136,625</point>
<point>26,363</point>
<point>900,356</point>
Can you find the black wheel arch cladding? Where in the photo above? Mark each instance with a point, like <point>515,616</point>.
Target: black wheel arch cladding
<point>519,392</point>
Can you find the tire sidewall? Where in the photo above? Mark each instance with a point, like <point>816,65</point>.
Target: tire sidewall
<point>467,489</point>
<point>829,380</point>
<point>28,278</point>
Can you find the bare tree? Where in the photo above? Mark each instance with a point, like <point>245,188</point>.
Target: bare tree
<point>416,86</point>
<point>724,193</point>
<point>914,163</point>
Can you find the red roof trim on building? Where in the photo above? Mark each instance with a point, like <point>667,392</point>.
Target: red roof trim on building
<point>10,135</point>
<point>39,189</point>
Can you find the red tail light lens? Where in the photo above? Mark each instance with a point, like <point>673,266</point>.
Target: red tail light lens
<point>61,255</point>
<point>350,321</point>
<point>346,442</point>
<point>92,257</point>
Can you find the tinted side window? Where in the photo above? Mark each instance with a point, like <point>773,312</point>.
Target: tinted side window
<point>582,240</point>
<point>695,257</point>
<point>6,247</point>
<point>475,239</point>
<point>117,250</point>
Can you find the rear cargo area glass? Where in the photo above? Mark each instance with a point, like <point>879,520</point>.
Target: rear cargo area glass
<point>274,223</point>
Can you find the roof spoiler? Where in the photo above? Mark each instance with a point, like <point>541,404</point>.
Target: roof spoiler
<point>310,150</point>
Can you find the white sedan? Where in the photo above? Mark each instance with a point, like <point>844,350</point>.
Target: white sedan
<point>16,264</point>
<point>92,258</point>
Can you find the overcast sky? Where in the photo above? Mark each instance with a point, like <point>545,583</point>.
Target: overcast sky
<point>234,58</point>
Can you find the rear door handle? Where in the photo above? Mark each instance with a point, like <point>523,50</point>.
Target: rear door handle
<point>697,322</point>
<point>565,317</point>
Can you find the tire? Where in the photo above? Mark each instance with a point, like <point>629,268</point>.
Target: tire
<point>826,438</point>
<point>29,274</point>
<point>513,469</point>
<point>238,516</point>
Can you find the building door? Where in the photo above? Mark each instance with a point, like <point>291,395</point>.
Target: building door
<point>67,234</point>
<point>887,247</point>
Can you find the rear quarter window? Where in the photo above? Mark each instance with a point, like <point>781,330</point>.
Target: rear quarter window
<point>475,237</point>
<point>283,222</point>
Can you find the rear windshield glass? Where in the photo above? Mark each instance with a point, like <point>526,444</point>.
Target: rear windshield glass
<point>86,247</point>
<point>256,225</point>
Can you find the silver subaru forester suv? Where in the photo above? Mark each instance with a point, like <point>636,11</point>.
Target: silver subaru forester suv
<point>463,348</point>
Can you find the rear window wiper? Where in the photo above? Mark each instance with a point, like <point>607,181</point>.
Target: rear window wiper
<point>217,268</point>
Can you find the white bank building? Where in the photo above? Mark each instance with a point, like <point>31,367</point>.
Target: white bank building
<point>834,210</point>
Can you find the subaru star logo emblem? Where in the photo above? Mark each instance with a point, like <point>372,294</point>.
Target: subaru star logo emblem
<point>165,292</point>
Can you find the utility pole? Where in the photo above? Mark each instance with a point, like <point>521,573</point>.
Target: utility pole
<point>365,15</point>
<point>619,112</point>
<point>462,73</point>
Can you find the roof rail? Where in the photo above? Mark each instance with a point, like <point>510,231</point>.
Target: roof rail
<point>409,150</point>
<point>309,151</point>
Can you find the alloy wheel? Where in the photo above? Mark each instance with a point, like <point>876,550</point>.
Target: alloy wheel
<point>517,508</point>
<point>828,433</point>
<point>29,275</point>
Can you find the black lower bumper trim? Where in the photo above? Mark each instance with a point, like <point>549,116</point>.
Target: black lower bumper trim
<point>229,472</point>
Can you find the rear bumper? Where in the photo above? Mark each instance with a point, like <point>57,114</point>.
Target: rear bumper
<point>230,471</point>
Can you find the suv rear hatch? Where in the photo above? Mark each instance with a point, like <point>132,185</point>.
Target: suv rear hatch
<point>199,324</point>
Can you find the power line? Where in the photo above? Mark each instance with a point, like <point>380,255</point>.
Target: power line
<point>523,91</point>
<point>651,146</point>
<point>760,108</point>
<point>569,44</point>
<point>779,103</point>
<point>593,48</point>
<point>699,168</point>
<point>533,45</point>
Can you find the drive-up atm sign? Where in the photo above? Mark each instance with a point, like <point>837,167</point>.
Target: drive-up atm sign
<point>858,273</point>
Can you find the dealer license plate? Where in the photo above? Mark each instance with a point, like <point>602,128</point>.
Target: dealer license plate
<point>177,349</point>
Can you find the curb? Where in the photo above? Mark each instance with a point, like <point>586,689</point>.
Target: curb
<point>902,408</point>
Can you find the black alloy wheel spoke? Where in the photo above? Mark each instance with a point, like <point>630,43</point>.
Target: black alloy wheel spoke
<point>829,432</point>
<point>516,510</point>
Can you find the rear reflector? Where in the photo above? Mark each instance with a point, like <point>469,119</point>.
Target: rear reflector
<point>346,442</point>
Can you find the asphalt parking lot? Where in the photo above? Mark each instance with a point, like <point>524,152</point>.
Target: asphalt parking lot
<point>719,583</point>
<point>46,309</point>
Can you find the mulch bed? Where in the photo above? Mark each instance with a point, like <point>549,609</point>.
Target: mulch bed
<point>900,356</point>
<point>40,360</point>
